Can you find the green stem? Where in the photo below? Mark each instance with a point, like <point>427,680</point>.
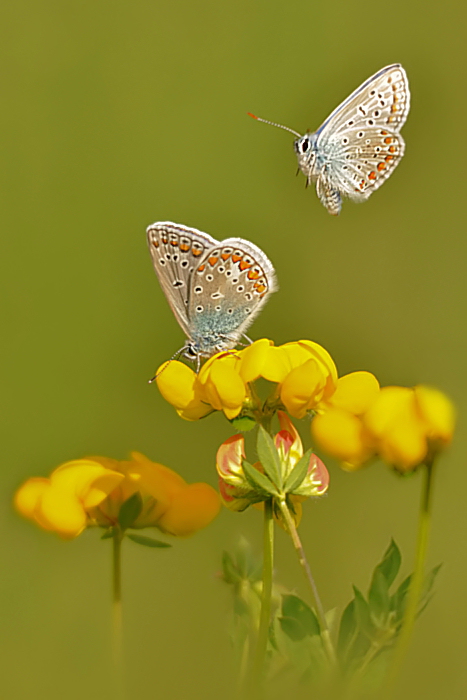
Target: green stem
<point>416,583</point>
<point>265,614</point>
<point>117,635</point>
<point>325,634</point>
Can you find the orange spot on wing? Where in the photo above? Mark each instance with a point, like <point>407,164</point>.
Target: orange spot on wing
<point>184,247</point>
<point>253,275</point>
<point>388,139</point>
<point>201,268</point>
<point>372,175</point>
<point>212,260</point>
<point>155,244</point>
<point>174,243</point>
<point>392,149</point>
<point>394,108</point>
<point>260,288</point>
<point>389,158</point>
<point>196,252</point>
<point>225,256</point>
<point>391,119</point>
<point>236,258</point>
<point>164,240</point>
<point>244,265</point>
<point>381,166</point>
<point>384,133</point>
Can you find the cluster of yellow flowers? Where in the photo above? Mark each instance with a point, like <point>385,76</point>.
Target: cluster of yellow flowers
<point>90,492</point>
<point>354,420</point>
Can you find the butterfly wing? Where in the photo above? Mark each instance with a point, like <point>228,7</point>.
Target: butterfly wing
<point>228,289</point>
<point>382,100</point>
<point>359,143</point>
<point>176,250</point>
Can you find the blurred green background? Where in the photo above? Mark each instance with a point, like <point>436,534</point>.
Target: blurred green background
<point>118,114</point>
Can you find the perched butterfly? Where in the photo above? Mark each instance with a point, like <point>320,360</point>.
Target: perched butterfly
<point>358,146</point>
<point>215,288</point>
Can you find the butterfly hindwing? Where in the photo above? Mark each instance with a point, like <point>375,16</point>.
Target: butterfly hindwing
<point>228,289</point>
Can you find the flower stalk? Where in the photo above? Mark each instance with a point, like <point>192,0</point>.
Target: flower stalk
<point>265,614</point>
<point>117,628</point>
<point>416,583</point>
<point>292,530</point>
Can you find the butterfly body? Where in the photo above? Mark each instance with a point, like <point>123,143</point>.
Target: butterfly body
<point>214,288</point>
<point>358,146</point>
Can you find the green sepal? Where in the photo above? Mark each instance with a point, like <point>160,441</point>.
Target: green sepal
<point>298,473</point>
<point>129,510</point>
<point>110,532</point>
<point>243,423</point>
<point>259,481</point>
<point>148,541</point>
<point>298,620</point>
<point>269,457</point>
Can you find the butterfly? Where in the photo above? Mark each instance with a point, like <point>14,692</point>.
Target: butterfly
<point>358,146</point>
<point>214,288</point>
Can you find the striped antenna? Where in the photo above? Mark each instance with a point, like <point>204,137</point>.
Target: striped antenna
<point>280,126</point>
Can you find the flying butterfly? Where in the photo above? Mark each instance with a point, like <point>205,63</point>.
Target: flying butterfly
<point>358,146</point>
<point>214,288</point>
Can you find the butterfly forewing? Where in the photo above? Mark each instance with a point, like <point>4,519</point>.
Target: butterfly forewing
<point>175,252</point>
<point>383,100</point>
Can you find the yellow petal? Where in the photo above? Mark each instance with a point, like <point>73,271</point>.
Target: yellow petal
<point>253,359</point>
<point>437,411</point>
<point>391,402</point>
<point>193,508</point>
<point>225,387</point>
<point>176,382</point>
<point>343,436</point>
<point>302,388</point>
<point>355,392</point>
<point>29,495</point>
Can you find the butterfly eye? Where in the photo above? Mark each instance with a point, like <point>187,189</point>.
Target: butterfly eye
<point>304,145</point>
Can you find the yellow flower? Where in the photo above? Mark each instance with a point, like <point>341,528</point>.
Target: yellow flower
<point>338,428</point>
<point>410,425</point>
<point>303,372</point>
<point>89,492</point>
<point>404,427</point>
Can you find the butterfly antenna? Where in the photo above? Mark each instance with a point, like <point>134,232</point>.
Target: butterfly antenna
<point>280,126</point>
<point>175,355</point>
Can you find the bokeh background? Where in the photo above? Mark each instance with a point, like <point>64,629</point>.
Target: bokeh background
<point>118,114</point>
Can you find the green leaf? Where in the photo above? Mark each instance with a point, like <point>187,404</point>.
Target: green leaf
<point>389,565</point>
<point>292,628</point>
<point>298,473</point>
<point>148,541</point>
<point>108,533</point>
<point>362,613</point>
<point>429,582</point>
<point>347,628</point>
<point>378,596</point>
<point>269,457</point>
<point>229,570</point>
<point>259,481</point>
<point>295,608</point>
<point>399,598</point>
<point>129,510</point>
